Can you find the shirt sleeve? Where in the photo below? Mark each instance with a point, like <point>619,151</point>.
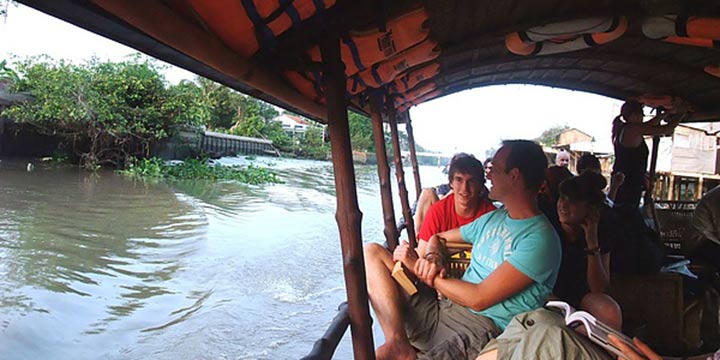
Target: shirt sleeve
<point>537,255</point>
<point>472,231</point>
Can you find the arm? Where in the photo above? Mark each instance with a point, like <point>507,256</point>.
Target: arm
<point>501,284</point>
<point>647,353</point>
<point>598,264</point>
<point>451,235</point>
<point>615,182</point>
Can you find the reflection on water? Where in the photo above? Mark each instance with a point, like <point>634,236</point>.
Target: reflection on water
<point>99,266</point>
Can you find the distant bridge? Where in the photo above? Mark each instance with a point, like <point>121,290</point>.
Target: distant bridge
<point>219,144</point>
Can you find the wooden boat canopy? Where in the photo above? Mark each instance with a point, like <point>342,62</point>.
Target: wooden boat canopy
<point>470,37</point>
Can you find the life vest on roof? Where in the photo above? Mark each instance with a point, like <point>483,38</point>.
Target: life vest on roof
<point>420,100</point>
<point>305,86</point>
<point>386,71</point>
<point>360,50</point>
<point>683,30</point>
<point>414,94</point>
<point>407,81</point>
<point>566,36</point>
<point>247,25</point>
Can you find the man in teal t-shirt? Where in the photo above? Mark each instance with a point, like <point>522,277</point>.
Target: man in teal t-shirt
<point>529,245</point>
<point>515,260</point>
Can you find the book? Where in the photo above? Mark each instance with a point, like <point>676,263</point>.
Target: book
<point>596,331</point>
<point>398,273</point>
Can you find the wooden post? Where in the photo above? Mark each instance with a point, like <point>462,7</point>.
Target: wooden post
<point>649,201</point>
<point>413,154</point>
<point>400,174</point>
<point>347,215</point>
<point>391,232</point>
<point>699,190</point>
<point>671,187</point>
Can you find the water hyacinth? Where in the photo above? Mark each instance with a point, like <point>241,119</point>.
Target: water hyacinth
<point>198,169</point>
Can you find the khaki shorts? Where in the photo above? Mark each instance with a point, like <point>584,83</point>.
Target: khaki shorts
<point>542,334</point>
<point>445,330</point>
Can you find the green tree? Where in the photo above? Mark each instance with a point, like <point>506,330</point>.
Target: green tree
<point>549,136</point>
<point>107,111</point>
<point>361,132</point>
<point>223,102</point>
<point>312,143</point>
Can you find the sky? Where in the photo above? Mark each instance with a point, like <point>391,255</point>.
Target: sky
<point>476,120</point>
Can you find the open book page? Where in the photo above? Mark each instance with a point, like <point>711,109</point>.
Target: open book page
<point>596,331</point>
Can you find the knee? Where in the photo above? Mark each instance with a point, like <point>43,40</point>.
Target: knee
<point>605,308</point>
<point>375,252</point>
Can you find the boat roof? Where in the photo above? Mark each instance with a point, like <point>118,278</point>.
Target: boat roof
<point>469,33</point>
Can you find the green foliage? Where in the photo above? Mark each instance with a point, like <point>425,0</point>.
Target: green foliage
<point>361,132</point>
<point>549,137</point>
<point>312,144</point>
<point>7,74</point>
<point>108,111</point>
<point>223,102</point>
<point>273,131</point>
<point>194,169</point>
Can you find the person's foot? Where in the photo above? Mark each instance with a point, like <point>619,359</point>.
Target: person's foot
<point>396,350</point>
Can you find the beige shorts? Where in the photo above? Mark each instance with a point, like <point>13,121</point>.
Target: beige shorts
<point>445,330</point>
<point>542,334</point>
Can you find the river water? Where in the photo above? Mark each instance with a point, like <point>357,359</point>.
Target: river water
<point>103,267</point>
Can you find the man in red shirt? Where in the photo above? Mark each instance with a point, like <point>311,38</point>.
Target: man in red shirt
<point>467,202</point>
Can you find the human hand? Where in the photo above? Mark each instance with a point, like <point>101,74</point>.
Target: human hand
<point>647,353</point>
<point>618,178</point>
<point>428,268</point>
<point>590,225</point>
<point>405,254</point>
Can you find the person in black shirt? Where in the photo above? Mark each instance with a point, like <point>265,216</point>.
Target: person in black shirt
<point>586,236</point>
<point>631,152</point>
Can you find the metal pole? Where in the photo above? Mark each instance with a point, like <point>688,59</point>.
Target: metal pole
<point>413,154</point>
<point>400,174</point>
<point>348,213</point>
<point>391,232</point>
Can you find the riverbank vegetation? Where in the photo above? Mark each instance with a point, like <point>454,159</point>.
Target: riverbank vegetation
<point>154,168</point>
<point>106,113</point>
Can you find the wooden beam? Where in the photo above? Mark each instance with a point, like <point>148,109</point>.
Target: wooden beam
<point>348,213</point>
<point>413,154</point>
<point>160,22</point>
<point>400,174</point>
<point>390,231</point>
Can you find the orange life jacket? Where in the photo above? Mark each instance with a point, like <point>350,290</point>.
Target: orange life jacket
<point>407,81</point>
<point>361,50</point>
<point>566,36</point>
<point>683,30</point>
<point>414,94</point>
<point>420,100</point>
<point>305,86</point>
<point>386,71</point>
<point>247,25</point>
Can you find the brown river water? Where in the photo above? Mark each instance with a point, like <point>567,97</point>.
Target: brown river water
<point>104,267</point>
